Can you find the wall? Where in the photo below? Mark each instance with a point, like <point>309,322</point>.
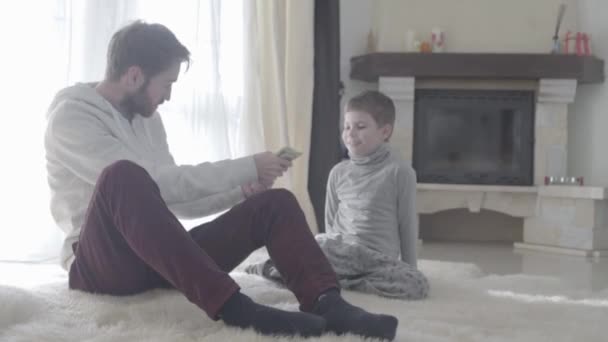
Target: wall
<point>473,25</point>
<point>470,26</point>
<point>355,24</point>
<point>588,123</point>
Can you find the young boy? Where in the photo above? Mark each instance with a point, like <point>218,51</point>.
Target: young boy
<point>370,210</point>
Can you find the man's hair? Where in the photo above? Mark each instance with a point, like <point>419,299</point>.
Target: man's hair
<point>152,47</point>
<point>376,104</point>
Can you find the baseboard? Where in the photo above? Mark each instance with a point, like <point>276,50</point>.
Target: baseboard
<point>594,253</point>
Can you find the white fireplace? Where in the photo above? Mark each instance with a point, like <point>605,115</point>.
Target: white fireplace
<point>567,219</point>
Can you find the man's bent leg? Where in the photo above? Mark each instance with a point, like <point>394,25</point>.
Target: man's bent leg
<point>131,242</point>
<point>273,219</point>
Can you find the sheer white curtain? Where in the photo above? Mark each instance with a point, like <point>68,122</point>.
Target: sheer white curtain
<point>51,44</point>
<point>279,85</point>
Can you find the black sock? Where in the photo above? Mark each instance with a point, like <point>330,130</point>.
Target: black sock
<point>243,312</point>
<point>343,317</point>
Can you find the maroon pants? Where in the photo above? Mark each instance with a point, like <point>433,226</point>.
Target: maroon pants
<point>131,242</point>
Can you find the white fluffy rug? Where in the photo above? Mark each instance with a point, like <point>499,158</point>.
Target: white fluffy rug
<point>464,305</point>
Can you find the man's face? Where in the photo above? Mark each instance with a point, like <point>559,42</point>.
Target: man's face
<point>153,92</point>
<point>361,133</point>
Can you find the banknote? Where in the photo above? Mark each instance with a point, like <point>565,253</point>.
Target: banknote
<point>288,153</point>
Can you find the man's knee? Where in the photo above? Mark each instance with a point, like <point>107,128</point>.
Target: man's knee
<point>280,198</point>
<point>122,170</point>
<point>277,203</point>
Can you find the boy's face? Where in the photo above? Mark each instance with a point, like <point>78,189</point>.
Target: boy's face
<point>361,133</point>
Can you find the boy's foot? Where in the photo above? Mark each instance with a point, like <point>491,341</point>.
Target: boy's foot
<point>343,317</point>
<point>241,311</point>
<point>267,270</point>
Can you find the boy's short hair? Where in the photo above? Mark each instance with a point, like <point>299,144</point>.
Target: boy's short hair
<point>378,105</point>
<point>152,47</point>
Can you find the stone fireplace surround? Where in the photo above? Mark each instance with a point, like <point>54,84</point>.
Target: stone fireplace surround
<point>565,219</point>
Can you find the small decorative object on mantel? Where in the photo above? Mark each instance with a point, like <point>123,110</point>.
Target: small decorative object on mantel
<point>578,43</point>
<point>438,40</point>
<point>426,47</point>
<point>371,42</point>
<point>560,16</point>
<point>417,44</point>
<point>410,41</point>
<point>549,180</point>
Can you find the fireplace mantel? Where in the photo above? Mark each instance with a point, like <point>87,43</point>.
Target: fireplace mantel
<point>513,66</point>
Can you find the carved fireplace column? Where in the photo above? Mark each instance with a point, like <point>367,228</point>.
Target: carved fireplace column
<point>551,128</point>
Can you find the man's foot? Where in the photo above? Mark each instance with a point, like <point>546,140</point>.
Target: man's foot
<point>241,311</point>
<point>266,269</point>
<point>343,317</point>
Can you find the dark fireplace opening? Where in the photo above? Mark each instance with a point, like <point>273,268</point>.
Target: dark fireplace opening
<point>474,136</point>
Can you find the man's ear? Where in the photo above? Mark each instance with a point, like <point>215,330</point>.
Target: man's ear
<point>387,131</point>
<point>134,77</point>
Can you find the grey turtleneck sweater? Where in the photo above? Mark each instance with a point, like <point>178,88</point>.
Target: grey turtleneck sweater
<point>371,201</point>
<point>371,220</point>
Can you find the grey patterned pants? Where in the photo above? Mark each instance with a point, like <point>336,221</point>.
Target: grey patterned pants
<point>362,269</point>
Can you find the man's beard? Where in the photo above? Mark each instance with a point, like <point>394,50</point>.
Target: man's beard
<point>139,103</point>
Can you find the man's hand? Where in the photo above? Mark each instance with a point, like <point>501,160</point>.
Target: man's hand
<point>252,189</point>
<point>270,167</point>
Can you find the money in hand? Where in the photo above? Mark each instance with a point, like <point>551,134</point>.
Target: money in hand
<point>288,153</point>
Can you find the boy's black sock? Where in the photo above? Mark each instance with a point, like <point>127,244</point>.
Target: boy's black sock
<point>243,312</point>
<point>343,317</point>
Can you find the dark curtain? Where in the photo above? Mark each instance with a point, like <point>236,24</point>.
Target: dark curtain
<point>325,149</point>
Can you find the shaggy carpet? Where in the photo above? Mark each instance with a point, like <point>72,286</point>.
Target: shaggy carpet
<point>464,305</point>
